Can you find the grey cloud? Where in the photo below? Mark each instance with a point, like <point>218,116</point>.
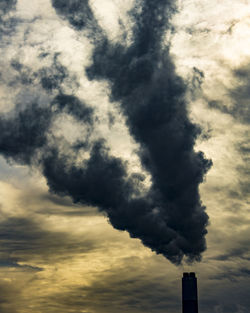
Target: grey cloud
<point>9,263</point>
<point>122,289</point>
<point>237,106</point>
<point>222,293</point>
<point>197,78</point>
<point>217,307</point>
<point>25,241</point>
<point>239,109</point>
<point>239,251</point>
<point>56,205</point>
<point>8,292</point>
<point>232,274</point>
<point>60,201</point>
<point>197,30</point>
<point>7,23</point>
<point>7,5</point>
<point>243,147</point>
<point>70,212</point>
<point>239,96</point>
<point>25,75</point>
<point>231,27</point>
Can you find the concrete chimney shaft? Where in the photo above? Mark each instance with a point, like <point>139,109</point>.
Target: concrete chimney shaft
<point>189,293</point>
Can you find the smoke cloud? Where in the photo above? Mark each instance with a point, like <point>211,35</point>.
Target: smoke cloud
<point>168,217</point>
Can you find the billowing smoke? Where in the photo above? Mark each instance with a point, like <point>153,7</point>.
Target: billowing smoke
<point>168,217</point>
<point>78,13</point>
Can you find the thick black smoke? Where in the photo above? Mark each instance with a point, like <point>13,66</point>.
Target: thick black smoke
<point>24,132</point>
<point>73,106</point>
<point>169,217</point>
<point>79,14</point>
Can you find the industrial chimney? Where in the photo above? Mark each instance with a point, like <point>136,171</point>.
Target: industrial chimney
<point>189,293</point>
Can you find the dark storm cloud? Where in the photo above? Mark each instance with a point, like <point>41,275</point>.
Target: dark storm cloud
<point>170,218</point>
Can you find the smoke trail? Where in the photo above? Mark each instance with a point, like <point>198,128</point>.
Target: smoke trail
<point>169,218</point>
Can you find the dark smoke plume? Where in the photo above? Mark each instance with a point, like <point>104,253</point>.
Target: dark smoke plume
<point>24,133</point>
<point>169,218</point>
<point>143,79</point>
<point>79,14</point>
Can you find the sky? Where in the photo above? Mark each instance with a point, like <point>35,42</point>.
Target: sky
<point>124,155</point>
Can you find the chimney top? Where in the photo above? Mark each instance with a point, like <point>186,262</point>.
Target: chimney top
<point>191,274</point>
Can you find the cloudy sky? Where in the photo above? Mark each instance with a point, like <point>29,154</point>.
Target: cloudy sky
<point>124,155</point>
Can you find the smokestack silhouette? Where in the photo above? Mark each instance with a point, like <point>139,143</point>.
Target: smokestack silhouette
<point>189,293</point>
